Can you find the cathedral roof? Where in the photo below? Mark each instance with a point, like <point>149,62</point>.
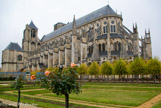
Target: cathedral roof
<point>14,46</point>
<point>32,25</point>
<point>106,10</point>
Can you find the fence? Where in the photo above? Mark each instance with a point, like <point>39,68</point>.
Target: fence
<point>12,74</point>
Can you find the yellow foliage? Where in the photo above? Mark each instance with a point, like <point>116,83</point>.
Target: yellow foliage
<point>34,72</point>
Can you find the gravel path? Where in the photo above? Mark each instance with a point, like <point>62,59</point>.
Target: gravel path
<point>151,102</point>
<point>22,105</point>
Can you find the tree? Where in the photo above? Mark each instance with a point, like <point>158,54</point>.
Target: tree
<point>106,68</point>
<point>153,67</point>
<point>62,83</point>
<point>82,69</point>
<point>93,69</point>
<point>18,85</point>
<point>120,68</point>
<point>137,67</point>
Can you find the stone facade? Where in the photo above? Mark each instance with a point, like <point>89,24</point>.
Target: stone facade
<point>12,58</point>
<point>98,36</point>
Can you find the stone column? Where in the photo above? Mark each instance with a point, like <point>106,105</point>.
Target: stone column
<point>108,41</point>
<point>67,55</point>
<point>61,55</point>
<point>55,57</point>
<point>83,50</point>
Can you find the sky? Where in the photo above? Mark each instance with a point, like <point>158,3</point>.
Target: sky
<point>15,14</point>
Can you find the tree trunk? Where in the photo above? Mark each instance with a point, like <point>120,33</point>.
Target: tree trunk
<point>66,100</point>
<point>18,103</point>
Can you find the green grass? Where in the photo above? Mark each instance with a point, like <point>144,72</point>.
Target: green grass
<point>112,97</point>
<point>34,92</point>
<point>124,84</point>
<point>104,93</point>
<point>121,88</point>
<point>39,104</point>
<point>158,105</point>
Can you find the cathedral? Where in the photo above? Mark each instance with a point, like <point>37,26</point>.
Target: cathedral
<point>98,36</point>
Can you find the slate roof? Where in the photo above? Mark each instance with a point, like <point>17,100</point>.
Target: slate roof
<point>104,36</point>
<point>106,10</point>
<point>32,25</point>
<point>14,46</point>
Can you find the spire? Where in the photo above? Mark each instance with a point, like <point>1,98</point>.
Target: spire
<point>74,26</point>
<point>149,32</point>
<point>145,34</point>
<point>145,31</point>
<point>136,25</point>
<point>32,25</point>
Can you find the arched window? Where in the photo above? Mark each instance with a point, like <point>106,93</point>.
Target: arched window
<point>32,46</point>
<point>99,47</point>
<point>114,28</point>
<point>103,47</point>
<point>111,28</point>
<point>104,29</point>
<point>119,46</point>
<point>19,58</point>
<point>32,33</point>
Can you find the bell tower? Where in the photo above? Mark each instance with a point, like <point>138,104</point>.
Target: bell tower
<point>30,38</point>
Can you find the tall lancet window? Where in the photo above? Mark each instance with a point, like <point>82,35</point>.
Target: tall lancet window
<point>103,47</point>
<point>32,33</point>
<point>119,46</point>
<point>105,28</point>
<point>113,27</point>
<point>99,47</point>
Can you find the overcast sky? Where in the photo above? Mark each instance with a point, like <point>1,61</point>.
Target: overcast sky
<point>15,14</point>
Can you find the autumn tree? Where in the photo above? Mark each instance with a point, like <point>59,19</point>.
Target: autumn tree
<point>93,69</point>
<point>106,69</point>
<point>138,67</point>
<point>120,68</point>
<point>153,67</point>
<point>82,70</point>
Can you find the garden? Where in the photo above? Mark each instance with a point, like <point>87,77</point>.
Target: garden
<point>120,84</point>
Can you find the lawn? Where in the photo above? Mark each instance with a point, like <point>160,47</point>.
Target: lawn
<point>122,95</point>
<point>158,105</point>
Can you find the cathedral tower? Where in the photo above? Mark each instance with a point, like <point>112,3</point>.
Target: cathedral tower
<point>135,41</point>
<point>148,49</point>
<point>30,40</point>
